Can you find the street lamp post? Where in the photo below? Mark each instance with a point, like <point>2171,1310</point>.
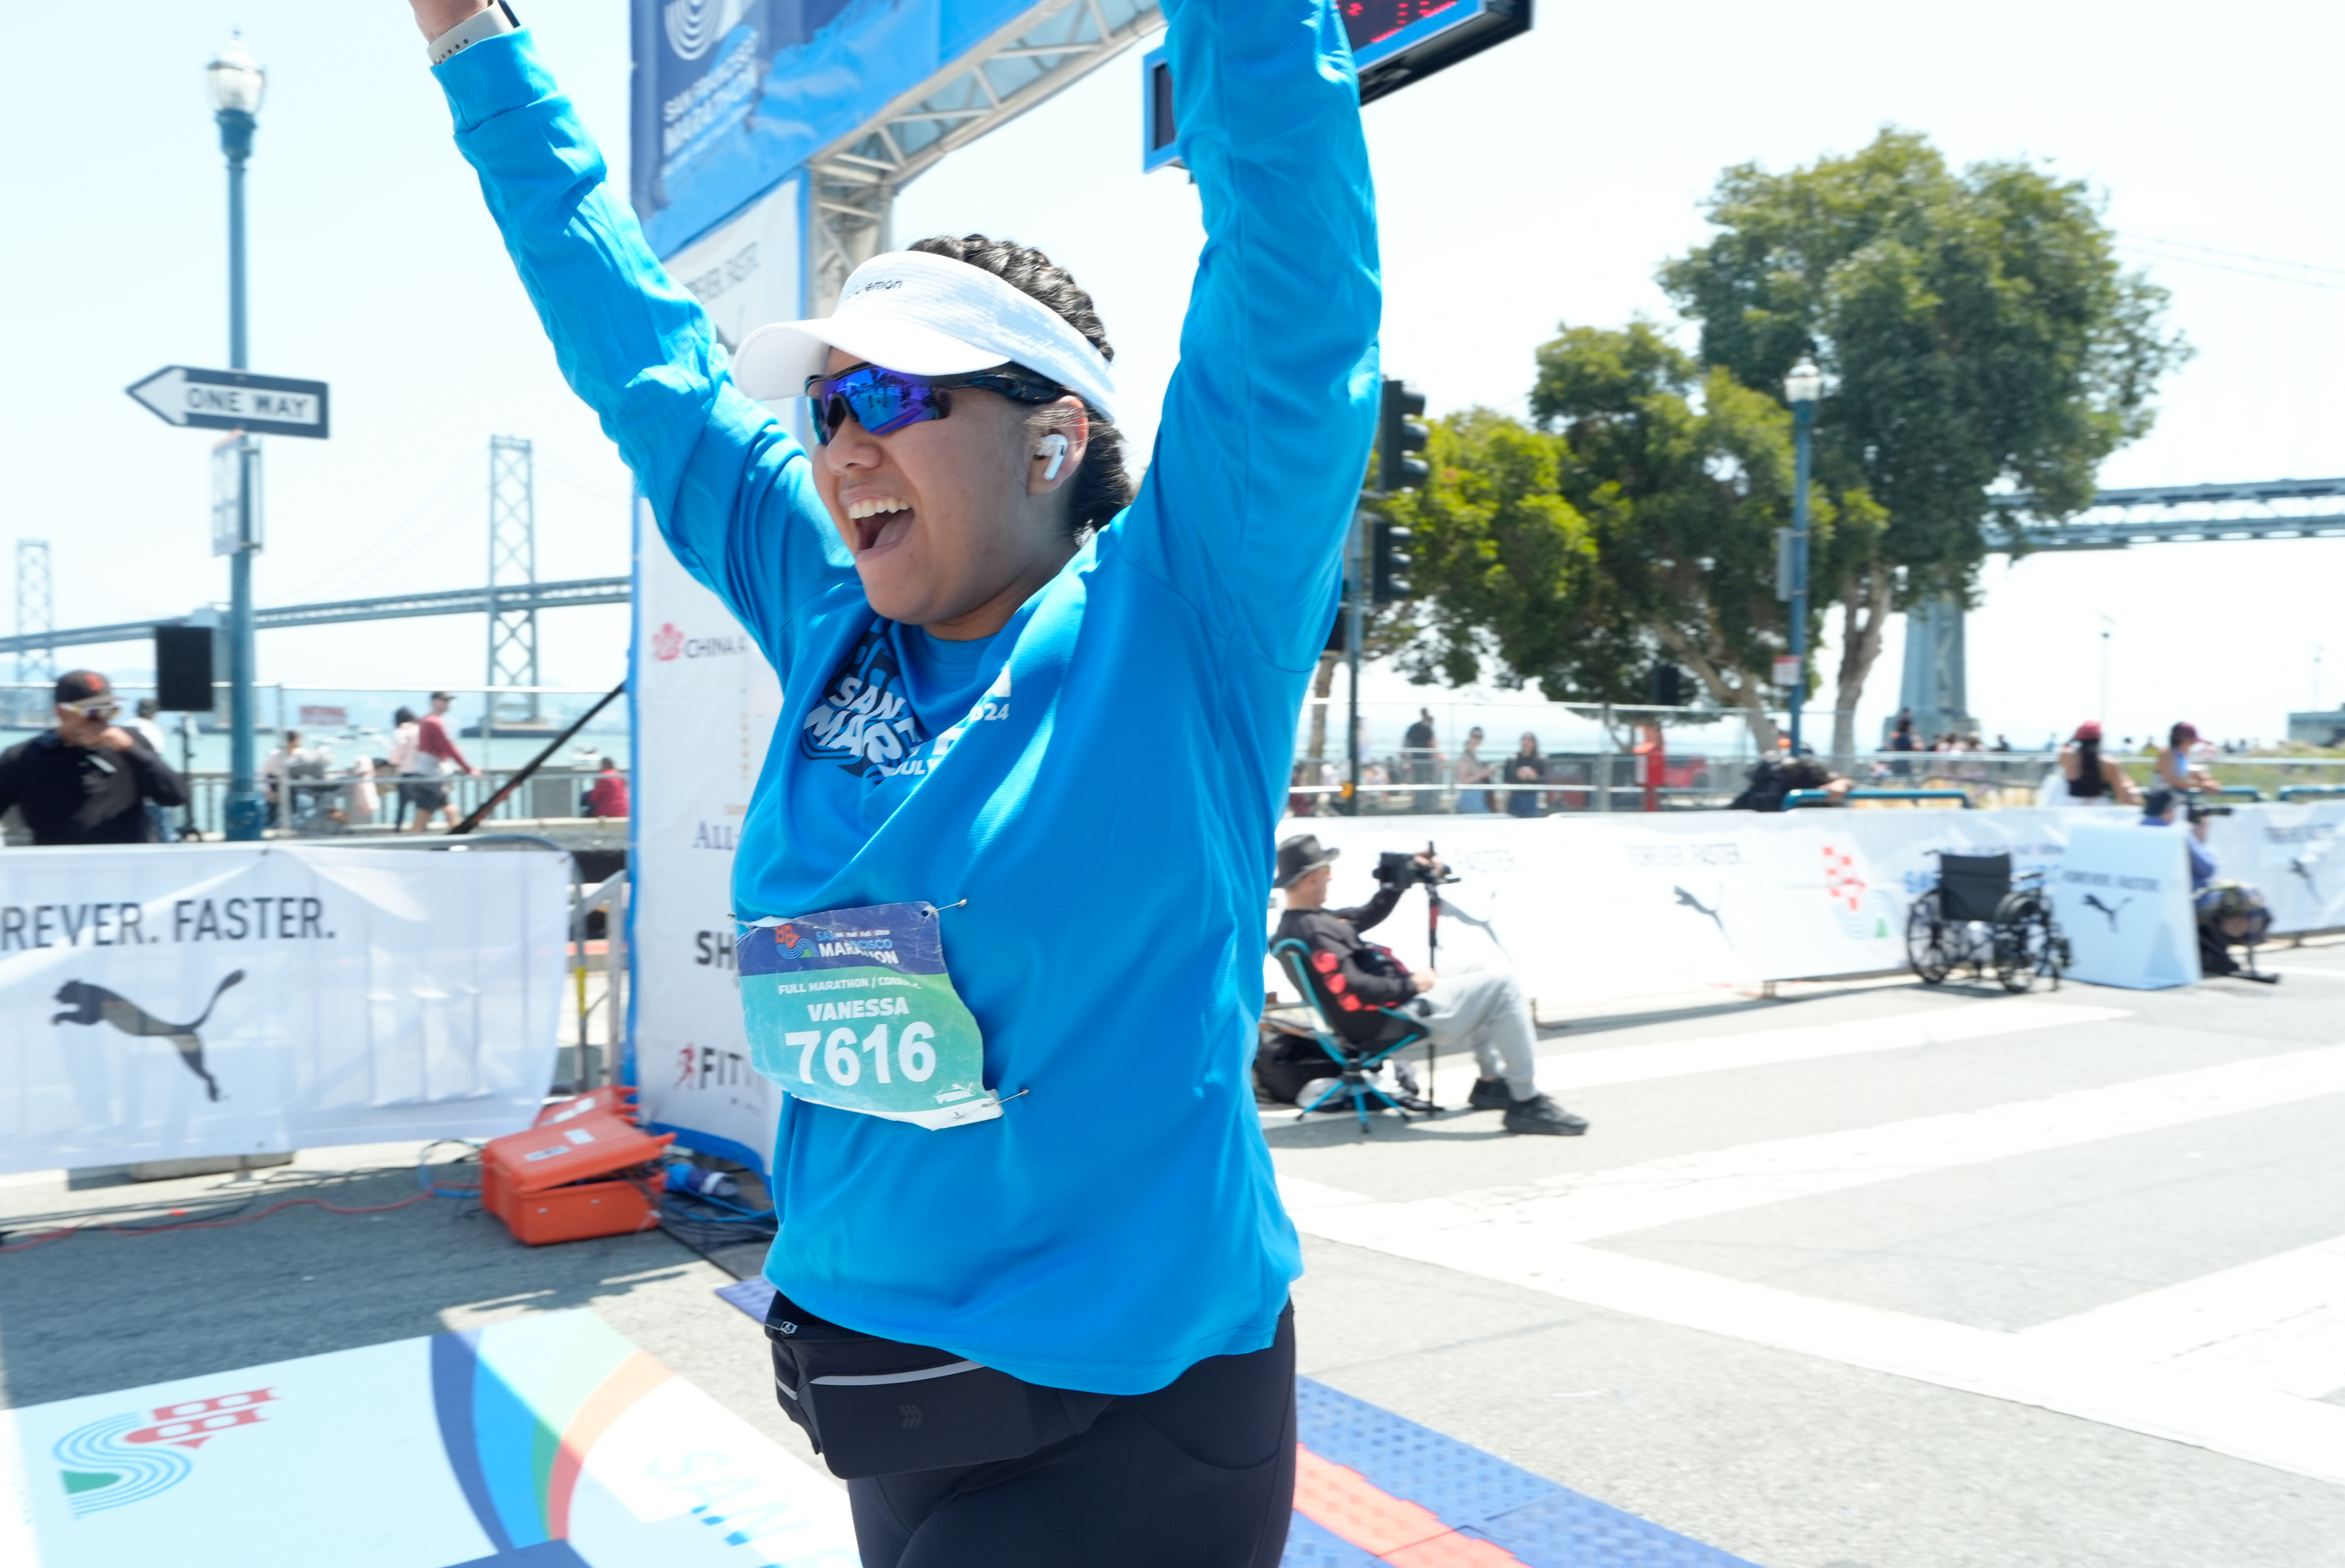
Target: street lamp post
<point>236,84</point>
<point>1801,389</point>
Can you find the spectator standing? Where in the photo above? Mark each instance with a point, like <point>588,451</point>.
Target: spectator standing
<point>1901,738</point>
<point>608,795</point>
<point>280,767</point>
<point>1474,776</point>
<point>1526,766</point>
<point>2083,777</point>
<point>2173,769</point>
<point>436,759</point>
<point>1416,743</point>
<point>142,724</point>
<point>399,760</point>
<point>365,799</point>
<point>1300,802</point>
<point>87,780</point>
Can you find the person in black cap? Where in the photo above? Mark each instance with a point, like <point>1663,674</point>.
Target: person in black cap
<point>1483,1010</point>
<point>88,780</point>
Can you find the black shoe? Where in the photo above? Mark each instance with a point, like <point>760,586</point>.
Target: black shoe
<point>1491,1095</point>
<point>1540,1115</point>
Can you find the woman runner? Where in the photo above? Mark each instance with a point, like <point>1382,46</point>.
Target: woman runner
<point>977,626</point>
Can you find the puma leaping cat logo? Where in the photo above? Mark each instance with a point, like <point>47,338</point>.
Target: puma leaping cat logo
<point>1699,907</point>
<point>95,1004</point>
<point>2093,902</point>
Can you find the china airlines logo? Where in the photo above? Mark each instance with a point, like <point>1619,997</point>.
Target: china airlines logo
<point>667,642</point>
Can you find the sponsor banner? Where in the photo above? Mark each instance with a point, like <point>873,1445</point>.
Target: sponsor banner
<point>745,273</point>
<point>222,999</point>
<point>1586,907</point>
<point>706,706</point>
<point>731,96</point>
<point>545,1442</point>
<point>2297,856</point>
<point>2123,895</point>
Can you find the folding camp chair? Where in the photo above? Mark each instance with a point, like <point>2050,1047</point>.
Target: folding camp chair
<point>1396,1031</point>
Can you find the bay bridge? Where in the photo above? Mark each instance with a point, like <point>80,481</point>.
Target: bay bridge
<point>1934,679</point>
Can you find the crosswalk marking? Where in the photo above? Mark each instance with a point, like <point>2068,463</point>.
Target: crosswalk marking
<point>1851,1037</point>
<point>1566,1072</point>
<point>2303,1436</point>
<point>1584,1205</point>
<point>2277,1322</point>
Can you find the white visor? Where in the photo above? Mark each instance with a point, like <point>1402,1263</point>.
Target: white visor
<point>926,316</point>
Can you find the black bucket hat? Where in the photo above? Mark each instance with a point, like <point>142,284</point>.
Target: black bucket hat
<point>1300,856</point>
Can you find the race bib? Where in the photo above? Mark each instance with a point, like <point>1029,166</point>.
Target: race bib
<point>853,1009</point>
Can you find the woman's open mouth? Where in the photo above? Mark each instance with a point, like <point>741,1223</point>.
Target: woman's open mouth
<point>878,521</point>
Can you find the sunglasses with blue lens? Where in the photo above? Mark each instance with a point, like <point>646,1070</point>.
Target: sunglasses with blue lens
<point>884,401</point>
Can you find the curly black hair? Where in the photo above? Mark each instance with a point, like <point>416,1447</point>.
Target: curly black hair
<point>1101,487</point>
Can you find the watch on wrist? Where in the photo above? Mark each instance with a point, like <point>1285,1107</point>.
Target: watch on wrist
<point>496,19</point>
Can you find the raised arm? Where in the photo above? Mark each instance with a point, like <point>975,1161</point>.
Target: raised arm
<point>732,491</point>
<point>1267,422</point>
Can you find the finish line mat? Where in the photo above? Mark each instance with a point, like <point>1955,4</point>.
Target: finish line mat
<point>546,1442</point>
<point>1372,1488</point>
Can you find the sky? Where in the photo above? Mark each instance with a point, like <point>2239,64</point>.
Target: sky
<point>1540,183</point>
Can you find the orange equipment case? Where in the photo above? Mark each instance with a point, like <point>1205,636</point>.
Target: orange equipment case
<point>610,1100</point>
<point>542,1182</point>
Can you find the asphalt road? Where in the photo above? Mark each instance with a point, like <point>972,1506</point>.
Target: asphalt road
<point>1863,1277</point>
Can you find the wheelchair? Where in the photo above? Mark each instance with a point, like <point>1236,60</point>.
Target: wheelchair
<point>1355,1062</point>
<point>1981,915</point>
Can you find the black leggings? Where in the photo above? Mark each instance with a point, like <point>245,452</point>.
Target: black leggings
<point>1199,1474</point>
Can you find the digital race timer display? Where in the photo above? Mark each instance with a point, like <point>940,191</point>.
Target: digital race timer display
<point>1396,42</point>
<point>1373,21</point>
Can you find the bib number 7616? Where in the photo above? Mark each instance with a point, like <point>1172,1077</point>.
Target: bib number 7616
<point>842,1053</point>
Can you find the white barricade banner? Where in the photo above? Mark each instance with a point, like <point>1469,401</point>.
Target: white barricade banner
<point>1586,907</point>
<point>166,1003</point>
<point>2296,854</point>
<point>705,703</point>
<point>2123,895</point>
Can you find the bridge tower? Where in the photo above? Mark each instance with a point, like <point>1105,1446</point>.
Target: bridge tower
<point>34,612</point>
<point>1936,689</point>
<point>513,564</point>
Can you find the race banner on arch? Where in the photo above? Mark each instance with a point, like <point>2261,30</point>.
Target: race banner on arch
<point>732,97</point>
<point>706,704</point>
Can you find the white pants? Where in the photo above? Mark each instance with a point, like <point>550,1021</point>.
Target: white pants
<point>1485,1012</point>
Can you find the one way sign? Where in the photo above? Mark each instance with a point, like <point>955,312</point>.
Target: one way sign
<point>235,399</point>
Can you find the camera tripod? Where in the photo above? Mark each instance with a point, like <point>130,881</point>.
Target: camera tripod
<point>1433,884</point>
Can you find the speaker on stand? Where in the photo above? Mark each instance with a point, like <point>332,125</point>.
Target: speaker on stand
<point>183,685</point>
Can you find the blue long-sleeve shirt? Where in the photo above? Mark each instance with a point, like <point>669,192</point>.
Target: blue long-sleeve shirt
<point>1101,781</point>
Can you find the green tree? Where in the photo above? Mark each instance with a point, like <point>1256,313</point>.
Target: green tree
<point>1637,523</point>
<point>1977,333</point>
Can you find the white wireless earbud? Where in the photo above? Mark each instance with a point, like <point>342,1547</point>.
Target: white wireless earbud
<point>1053,447</point>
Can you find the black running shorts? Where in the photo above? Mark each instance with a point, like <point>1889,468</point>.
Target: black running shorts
<point>1199,1474</point>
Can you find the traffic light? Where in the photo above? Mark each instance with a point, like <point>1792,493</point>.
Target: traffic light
<point>1389,562</point>
<point>1398,433</point>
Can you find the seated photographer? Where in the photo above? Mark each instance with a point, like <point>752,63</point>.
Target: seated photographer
<point>2228,912</point>
<point>1483,1010</point>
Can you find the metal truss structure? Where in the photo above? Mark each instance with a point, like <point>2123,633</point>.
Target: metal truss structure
<point>34,644</point>
<point>520,597</point>
<point>1935,682</point>
<point>513,564</point>
<point>2190,513</point>
<point>1049,48</point>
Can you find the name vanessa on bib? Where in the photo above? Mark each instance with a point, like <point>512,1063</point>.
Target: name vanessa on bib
<point>808,984</point>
